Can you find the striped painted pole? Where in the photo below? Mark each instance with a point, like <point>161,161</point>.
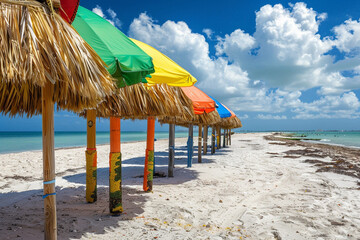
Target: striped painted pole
<point>149,156</point>
<point>115,202</point>
<point>91,157</point>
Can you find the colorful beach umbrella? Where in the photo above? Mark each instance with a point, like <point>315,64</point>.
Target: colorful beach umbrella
<point>222,111</point>
<point>167,73</point>
<point>125,61</point>
<point>129,65</point>
<point>68,9</point>
<point>166,70</point>
<point>44,61</point>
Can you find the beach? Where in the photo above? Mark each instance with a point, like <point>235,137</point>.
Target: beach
<point>261,187</point>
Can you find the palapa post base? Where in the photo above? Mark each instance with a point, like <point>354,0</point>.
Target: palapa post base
<point>218,137</point>
<point>224,138</point>
<point>91,157</point>
<point>229,136</point>
<point>91,176</point>
<point>149,156</point>
<point>171,150</point>
<point>213,140</point>
<point>199,144</point>
<point>148,171</point>
<point>190,144</point>
<point>205,139</point>
<point>115,201</point>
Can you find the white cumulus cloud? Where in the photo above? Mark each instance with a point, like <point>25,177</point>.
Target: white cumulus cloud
<point>267,71</point>
<point>112,18</point>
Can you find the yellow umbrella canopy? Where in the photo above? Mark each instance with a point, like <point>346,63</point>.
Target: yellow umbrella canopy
<point>168,73</point>
<point>166,70</point>
<point>37,48</point>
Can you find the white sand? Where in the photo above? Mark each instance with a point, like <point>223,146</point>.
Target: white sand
<point>242,192</point>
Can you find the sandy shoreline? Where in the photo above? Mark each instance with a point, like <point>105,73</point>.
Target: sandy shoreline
<point>254,189</point>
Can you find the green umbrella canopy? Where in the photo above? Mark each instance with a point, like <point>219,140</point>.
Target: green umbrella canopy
<point>125,60</point>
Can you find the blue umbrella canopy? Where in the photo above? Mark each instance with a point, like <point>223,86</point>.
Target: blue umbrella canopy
<point>222,111</point>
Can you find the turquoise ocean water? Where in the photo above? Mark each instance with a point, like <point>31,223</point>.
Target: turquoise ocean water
<point>342,138</point>
<point>28,141</point>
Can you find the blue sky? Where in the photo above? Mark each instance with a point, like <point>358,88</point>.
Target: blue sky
<point>278,65</point>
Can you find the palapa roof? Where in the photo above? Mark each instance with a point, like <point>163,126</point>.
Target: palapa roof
<point>140,102</point>
<point>129,64</point>
<point>37,46</point>
<point>203,106</point>
<point>230,123</point>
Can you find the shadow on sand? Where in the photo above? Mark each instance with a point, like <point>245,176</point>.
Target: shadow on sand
<point>23,218</point>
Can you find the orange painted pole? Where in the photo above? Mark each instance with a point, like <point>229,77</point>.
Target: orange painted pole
<point>149,156</point>
<point>91,157</point>
<point>115,202</point>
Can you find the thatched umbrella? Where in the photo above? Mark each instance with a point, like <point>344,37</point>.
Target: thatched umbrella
<point>129,65</point>
<point>204,114</point>
<point>167,73</point>
<point>223,113</point>
<point>44,61</point>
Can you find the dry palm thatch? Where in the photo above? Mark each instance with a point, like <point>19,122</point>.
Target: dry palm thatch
<point>37,46</point>
<point>140,102</point>
<point>210,118</point>
<point>230,123</point>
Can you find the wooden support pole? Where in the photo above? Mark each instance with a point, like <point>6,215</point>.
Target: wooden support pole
<point>149,156</point>
<point>91,157</point>
<point>205,139</point>
<point>199,143</point>
<point>224,138</point>
<point>171,150</point>
<point>218,139</point>
<point>115,191</point>
<point>50,230</point>
<point>229,136</point>
<point>190,145</point>
<point>213,140</point>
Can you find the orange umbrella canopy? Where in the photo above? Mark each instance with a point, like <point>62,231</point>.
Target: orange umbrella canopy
<point>202,103</point>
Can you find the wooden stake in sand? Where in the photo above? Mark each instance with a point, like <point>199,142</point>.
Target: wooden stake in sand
<point>49,161</point>
<point>213,140</point>
<point>199,143</point>
<point>91,157</point>
<point>224,137</point>
<point>218,139</point>
<point>205,139</point>
<point>229,136</point>
<point>190,145</point>
<point>115,202</point>
<point>149,156</point>
<point>171,150</point>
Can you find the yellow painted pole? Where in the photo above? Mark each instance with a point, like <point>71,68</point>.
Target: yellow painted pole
<point>115,202</point>
<point>149,156</point>
<point>50,230</point>
<point>91,157</point>
<point>218,140</point>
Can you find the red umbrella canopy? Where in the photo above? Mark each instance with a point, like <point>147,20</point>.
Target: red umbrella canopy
<point>68,9</point>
